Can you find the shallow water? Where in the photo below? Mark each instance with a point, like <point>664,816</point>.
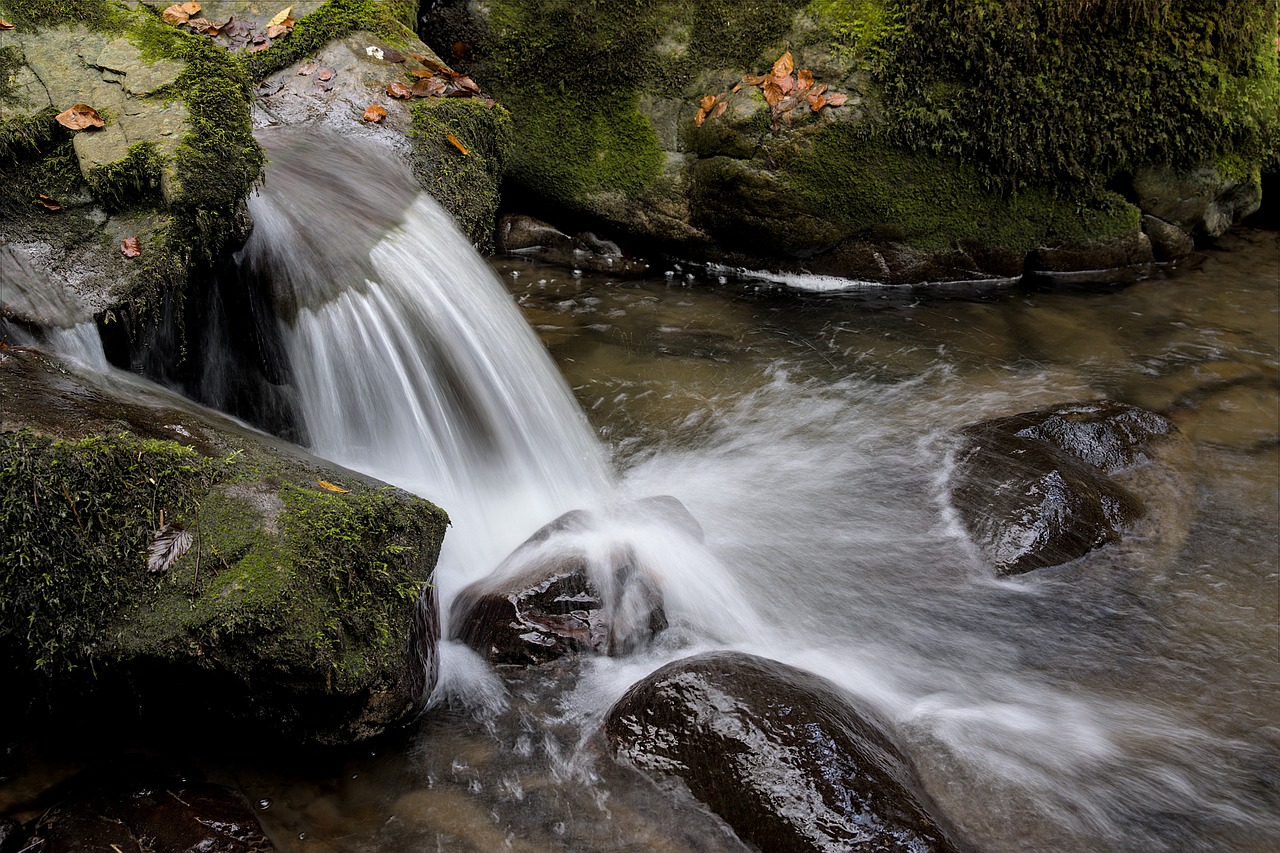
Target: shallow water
<point>1129,705</point>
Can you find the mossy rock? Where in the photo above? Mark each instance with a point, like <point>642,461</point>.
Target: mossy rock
<point>299,599</point>
<point>914,165</point>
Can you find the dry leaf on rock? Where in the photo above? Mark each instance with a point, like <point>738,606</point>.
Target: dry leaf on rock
<point>330,487</point>
<point>170,543</point>
<point>397,89</point>
<point>280,17</point>
<point>837,99</point>
<point>699,117</point>
<point>275,31</point>
<point>428,87</point>
<point>325,75</point>
<point>130,247</point>
<point>804,79</point>
<point>5,25</point>
<point>49,203</point>
<point>179,13</point>
<point>784,66</point>
<point>375,112</point>
<point>719,110</point>
<point>80,117</point>
<point>456,144</point>
<point>707,102</point>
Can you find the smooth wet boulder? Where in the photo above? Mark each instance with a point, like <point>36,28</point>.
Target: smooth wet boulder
<point>533,238</point>
<point>145,808</point>
<point>786,759</point>
<point>886,141</point>
<point>1044,488</point>
<point>559,595</point>
<point>166,560</point>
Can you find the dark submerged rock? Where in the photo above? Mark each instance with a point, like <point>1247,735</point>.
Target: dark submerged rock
<point>547,601</point>
<point>784,757</point>
<point>145,809</point>
<point>1043,488</point>
<point>292,607</point>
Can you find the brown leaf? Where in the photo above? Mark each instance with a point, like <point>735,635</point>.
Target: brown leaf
<point>755,79</point>
<point>804,79</point>
<point>699,117</point>
<point>49,203</point>
<point>719,110</point>
<point>773,94</point>
<point>130,247</point>
<point>202,26</point>
<point>392,55</point>
<point>707,102</point>
<point>175,15</point>
<point>459,49</point>
<point>325,75</point>
<point>456,144</point>
<point>5,25</point>
<point>786,84</point>
<point>79,117</point>
<point>819,89</point>
<point>737,88</point>
<point>280,17</point>
<point>307,70</point>
<point>421,73</point>
<point>276,30</point>
<point>466,84</point>
<point>784,66</point>
<point>837,99</point>
<point>170,543</point>
<point>190,8</point>
<point>330,487</point>
<point>817,102</point>
<point>429,87</point>
<point>259,46</point>
<point>396,89</point>
<point>375,113</point>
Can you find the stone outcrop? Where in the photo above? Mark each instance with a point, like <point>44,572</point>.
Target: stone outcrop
<point>785,758</point>
<point>882,156</point>
<point>1044,488</point>
<point>164,558</point>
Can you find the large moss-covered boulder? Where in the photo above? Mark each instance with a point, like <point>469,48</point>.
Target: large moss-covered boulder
<point>163,557</point>
<point>894,140</point>
<point>170,166</point>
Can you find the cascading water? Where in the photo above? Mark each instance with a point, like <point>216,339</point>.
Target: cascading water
<point>410,361</point>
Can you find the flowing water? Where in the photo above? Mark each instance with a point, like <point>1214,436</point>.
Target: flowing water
<point>1112,708</point>
<point>1123,708</point>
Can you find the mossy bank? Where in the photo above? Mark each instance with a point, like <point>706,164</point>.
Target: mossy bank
<point>299,598</point>
<point>973,139</point>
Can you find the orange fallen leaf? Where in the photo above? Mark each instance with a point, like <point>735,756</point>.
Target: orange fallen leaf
<point>786,84</point>
<point>130,247</point>
<point>280,17</point>
<point>330,487</point>
<point>755,79</point>
<point>719,110</point>
<point>836,99</point>
<point>49,203</point>
<point>773,94</point>
<point>5,25</point>
<point>804,79</point>
<point>428,87</point>
<point>819,89</point>
<point>737,88</point>
<point>176,14</point>
<point>817,102</point>
<point>325,75</point>
<point>456,144</point>
<point>784,66</point>
<point>375,112</point>
<point>397,89</point>
<point>707,102</point>
<point>699,117</point>
<point>79,117</point>
<point>276,30</point>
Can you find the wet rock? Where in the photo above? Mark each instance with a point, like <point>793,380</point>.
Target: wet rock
<point>145,809</point>
<point>1043,488</point>
<point>202,571</point>
<point>534,238</point>
<point>1168,241</point>
<point>11,837</point>
<point>785,758</point>
<point>561,593</point>
<point>1198,201</point>
<point>1127,250</point>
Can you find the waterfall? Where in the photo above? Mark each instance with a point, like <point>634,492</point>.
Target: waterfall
<point>52,315</point>
<point>411,361</point>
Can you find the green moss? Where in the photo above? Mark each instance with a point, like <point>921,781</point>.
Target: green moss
<point>391,20</point>
<point>22,134</point>
<point>101,15</point>
<point>75,521</point>
<point>1051,92</point>
<point>853,27</point>
<point>571,148</point>
<point>131,181</point>
<point>466,184</point>
<point>10,62</point>
<point>931,203</point>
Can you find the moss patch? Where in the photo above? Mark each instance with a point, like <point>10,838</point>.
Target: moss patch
<point>466,184</point>
<point>101,15</point>
<point>1038,90</point>
<point>391,20</point>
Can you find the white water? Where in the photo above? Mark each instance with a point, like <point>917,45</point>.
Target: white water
<point>823,498</point>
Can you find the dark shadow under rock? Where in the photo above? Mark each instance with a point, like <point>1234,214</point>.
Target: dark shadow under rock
<point>783,756</point>
<point>144,808</point>
<point>1043,488</point>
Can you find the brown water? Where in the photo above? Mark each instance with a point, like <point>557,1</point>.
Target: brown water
<point>1136,708</point>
